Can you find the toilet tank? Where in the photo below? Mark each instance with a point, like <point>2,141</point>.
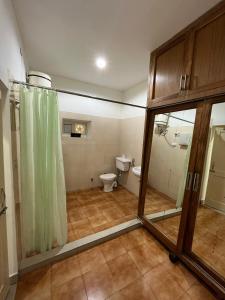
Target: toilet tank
<point>123,163</point>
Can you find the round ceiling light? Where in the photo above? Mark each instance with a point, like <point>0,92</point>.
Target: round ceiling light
<point>101,62</point>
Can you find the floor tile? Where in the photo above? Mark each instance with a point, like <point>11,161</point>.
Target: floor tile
<point>199,292</point>
<point>91,259</point>
<point>163,284</point>
<point>147,256</point>
<point>65,270</point>
<point>112,214</point>
<point>71,290</point>
<point>123,270</point>
<point>83,228</point>
<point>134,238</point>
<point>138,290</point>
<point>99,283</point>
<point>35,285</point>
<point>98,220</point>
<point>93,210</point>
<point>109,271</point>
<point>181,275</point>
<point>76,214</point>
<point>185,296</point>
<point>112,249</point>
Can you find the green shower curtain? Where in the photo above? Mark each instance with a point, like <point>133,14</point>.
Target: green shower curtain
<point>43,194</point>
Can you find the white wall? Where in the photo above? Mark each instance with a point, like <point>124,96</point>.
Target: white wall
<point>12,66</point>
<point>166,169</point>
<point>86,88</point>
<point>69,103</point>
<point>218,114</point>
<point>167,163</point>
<point>81,105</point>
<point>135,95</point>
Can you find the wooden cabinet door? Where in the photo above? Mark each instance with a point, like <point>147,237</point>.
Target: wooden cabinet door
<point>208,62</point>
<point>169,71</point>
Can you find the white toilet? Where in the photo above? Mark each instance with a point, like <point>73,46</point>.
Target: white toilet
<point>109,179</point>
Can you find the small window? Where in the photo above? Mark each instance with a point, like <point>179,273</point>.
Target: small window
<point>75,128</point>
<point>67,128</point>
<point>80,128</point>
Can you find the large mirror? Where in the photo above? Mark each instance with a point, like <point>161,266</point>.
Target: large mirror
<point>102,143</point>
<point>169,160</point>
<point>208,240</point>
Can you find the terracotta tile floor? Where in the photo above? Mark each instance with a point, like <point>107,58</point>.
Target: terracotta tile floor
<point>133,266</point>
<point>157,202</point>
<point>208,241</point>
<point>92,210</point>
<point>170,227</point>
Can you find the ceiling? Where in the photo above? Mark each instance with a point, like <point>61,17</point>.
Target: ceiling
<point>65,37</point>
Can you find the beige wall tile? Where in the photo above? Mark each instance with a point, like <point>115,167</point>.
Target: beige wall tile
<point>87,158</point>
<point>131,140</point>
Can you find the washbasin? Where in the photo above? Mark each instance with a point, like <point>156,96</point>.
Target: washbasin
<point>137,171</point>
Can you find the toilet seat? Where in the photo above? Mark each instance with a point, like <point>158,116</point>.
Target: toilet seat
<point>109,176</point>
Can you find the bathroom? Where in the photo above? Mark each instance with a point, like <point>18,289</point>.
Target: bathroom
<point>104,194</point>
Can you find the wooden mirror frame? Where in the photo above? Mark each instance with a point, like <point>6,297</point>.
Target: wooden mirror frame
<point>190,204</point>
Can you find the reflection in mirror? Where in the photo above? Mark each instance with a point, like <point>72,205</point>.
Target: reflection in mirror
<point>208,241</point>
<point>170,152</point>
<point>102,191</point>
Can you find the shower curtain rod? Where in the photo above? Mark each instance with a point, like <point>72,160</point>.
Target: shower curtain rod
<point>91,97</point>
<point>78,94</point>
<point>171,116</point>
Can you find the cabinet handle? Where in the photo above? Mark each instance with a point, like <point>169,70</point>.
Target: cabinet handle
<point>181,87</point>
<point>189,181</point>
<point>196,182</point>
<point>185,81</point>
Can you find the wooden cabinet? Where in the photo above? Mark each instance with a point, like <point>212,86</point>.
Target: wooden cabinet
<point>192,64</point>
<point>169,69</point>
<point>208,62</point>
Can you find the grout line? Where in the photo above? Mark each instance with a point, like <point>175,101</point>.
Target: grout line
<point>136,266</point>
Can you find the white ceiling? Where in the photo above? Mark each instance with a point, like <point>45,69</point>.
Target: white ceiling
<point>63,37</point>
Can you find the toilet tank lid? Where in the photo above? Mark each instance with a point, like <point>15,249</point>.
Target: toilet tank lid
<point>123,159</point>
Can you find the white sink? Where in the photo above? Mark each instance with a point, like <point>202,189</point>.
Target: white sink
<point>137,171</point>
